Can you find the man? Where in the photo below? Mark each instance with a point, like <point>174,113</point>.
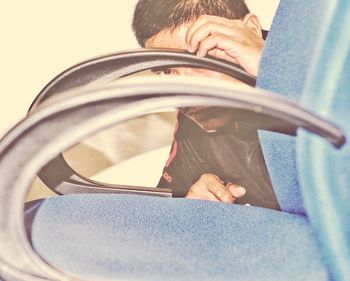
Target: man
<point>215,155</point>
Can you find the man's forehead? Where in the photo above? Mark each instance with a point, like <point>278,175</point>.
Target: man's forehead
<point>170,38</point>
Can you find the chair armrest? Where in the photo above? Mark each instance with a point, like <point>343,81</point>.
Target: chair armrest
<point>36,140</point>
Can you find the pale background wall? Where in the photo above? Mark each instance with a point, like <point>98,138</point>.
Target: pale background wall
<point>40,38</point>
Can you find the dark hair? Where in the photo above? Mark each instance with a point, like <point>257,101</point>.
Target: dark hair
<point>153,16</point>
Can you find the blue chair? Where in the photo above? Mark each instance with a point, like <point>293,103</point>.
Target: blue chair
<point>324,172</point>
<point>108,237</point>
<point>317,66</point>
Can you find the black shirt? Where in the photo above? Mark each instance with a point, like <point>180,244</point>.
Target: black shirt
<point>233,153</point>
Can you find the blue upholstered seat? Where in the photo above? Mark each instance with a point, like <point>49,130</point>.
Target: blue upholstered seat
<point>149,238</point>
<point>137,237</point>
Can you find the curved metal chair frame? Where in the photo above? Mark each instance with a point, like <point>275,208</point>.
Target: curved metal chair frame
<point>57,174</point>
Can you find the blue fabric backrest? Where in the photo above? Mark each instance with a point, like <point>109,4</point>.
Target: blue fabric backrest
<point>284,67</point>
<point>324,171</point>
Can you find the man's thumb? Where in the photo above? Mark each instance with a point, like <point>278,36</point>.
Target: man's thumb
<point>236,190</point>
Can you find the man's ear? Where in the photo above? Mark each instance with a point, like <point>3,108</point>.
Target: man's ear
<point>253,22</point>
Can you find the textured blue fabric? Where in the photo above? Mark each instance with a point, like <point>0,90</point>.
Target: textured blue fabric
<point>149,238</point>
<point>325,171</point>
<point>283,69</point>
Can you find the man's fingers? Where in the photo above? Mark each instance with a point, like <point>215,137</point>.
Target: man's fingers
<point>220,54</point>
<point>205,19</point>
<point>221,192</point>
<point>202,194</point>
<point>206,29</point>
<point>210,187</point>
<point>197,23</point>
<point>237,191</point>
<point>219,41</point>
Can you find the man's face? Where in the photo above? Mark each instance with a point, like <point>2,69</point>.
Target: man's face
<point>208,118</point>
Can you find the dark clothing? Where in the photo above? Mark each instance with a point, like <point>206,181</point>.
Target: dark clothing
<point>233,154</point>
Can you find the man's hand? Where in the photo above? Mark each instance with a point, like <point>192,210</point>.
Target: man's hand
<point>238,41</point>
<point>210,187</point>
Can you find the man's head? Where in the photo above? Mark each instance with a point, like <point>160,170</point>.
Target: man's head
<point>169,23</point>
<point>153,16</point>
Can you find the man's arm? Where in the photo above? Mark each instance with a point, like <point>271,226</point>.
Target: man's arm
<point>240,42</point>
